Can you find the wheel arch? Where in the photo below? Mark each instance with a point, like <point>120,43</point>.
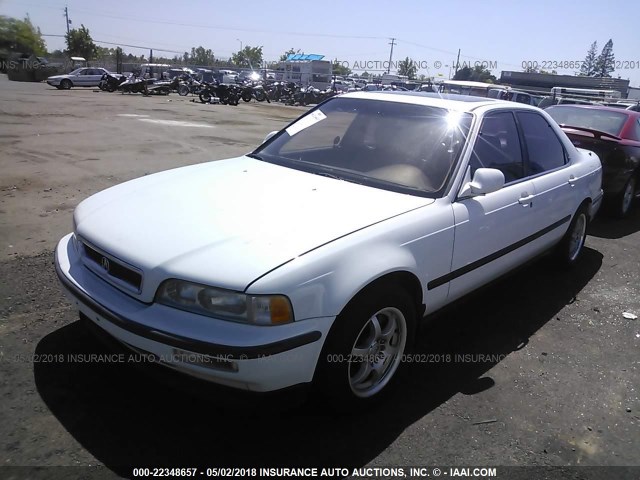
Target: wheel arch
<point>405,279</point>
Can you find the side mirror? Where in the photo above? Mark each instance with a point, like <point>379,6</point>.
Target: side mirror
<point>485,180</point>
<point>269,135</point>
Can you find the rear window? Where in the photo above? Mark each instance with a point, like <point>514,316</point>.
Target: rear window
<point>601,120</point>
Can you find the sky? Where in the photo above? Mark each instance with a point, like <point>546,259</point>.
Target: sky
<point>497,34</point>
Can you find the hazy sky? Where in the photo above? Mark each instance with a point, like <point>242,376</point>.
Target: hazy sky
<point>500,33</point>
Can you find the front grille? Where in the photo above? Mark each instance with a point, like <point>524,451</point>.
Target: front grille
<point>111,267</point>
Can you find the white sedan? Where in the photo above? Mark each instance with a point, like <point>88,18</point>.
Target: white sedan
<point>313,258</point>
<point>81,77</point>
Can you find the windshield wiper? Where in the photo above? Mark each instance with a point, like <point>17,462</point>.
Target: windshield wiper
<point>254,155</point>
<point>336,177</point>
<point>327,174</point>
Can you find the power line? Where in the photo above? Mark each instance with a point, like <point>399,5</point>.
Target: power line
<point>123,45</point>
<point>227,28</point>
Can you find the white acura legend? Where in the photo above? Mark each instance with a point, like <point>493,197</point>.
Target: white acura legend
<point>313,258</point>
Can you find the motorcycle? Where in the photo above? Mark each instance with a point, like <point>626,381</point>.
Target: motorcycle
<point>133,84</point>
<point>110,82</point>
<point>190,85</point>
<point>149,86</point>
<point>257,91</point>
<point>227,93</point>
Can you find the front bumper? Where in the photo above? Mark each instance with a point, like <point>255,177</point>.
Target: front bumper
<point>243,356</point>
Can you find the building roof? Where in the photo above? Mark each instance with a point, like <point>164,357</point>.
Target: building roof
<point>547,81</point>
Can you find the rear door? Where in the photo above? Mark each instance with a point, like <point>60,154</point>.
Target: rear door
<point>493,232</point>
<point>553,178</point>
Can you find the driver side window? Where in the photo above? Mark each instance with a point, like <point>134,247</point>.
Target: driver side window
<point>498,146</point>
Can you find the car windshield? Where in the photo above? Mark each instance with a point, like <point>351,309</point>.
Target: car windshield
<point>601,120</point>
<point>76,71</point>
<point>386,144</point>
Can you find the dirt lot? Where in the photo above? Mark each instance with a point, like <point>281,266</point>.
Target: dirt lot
<point>550,376</point>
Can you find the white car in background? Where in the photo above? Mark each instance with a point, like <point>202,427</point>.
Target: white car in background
<point>81,77</point>
<point>313,258</point>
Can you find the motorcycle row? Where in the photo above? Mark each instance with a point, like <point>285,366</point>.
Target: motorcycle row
<point>288,93</point>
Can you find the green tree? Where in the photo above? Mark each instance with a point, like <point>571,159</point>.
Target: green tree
<point>248,57</point>
<point>201,56</point>
<point>339,68</point>
<point>605,63</point>
<point>291,51</point>
<point>476,74</point>
<point>365,74</point>
<point>21,36</point>
<point>408,68</point>
<point>80,43</point>
<point>588,68</point>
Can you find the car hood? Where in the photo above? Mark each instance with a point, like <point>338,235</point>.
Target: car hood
<point>228,222</point>
<point>59,77</point>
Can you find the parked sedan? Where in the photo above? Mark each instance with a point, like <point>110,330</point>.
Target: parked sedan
<point>81,77</point>
<point>614,134</point>
<point>313,258</point>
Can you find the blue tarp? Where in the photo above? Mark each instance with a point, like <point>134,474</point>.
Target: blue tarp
<point>301,57</point>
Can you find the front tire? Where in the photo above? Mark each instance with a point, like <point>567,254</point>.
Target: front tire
<point>183,90</point>
<point>571,246</point>
<point>364,349</point>
<point>66,84</point>
<point>205,97</point>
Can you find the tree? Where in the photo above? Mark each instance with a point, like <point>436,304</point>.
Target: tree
<point>365,74</point>
<point>476,74</point>
<point>588,68</point>
<point>200,56</point>
<point>605,63</point>
<point>248,57</point>
<point>407,67</point>
<point>339,68</point>
<point>21,36</point>
<point>291,51</point>
<point>80,43</point>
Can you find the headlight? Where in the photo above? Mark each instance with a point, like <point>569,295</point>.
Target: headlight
<point>225,304</point>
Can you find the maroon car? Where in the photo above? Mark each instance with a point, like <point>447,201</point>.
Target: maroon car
<point>614,134</point>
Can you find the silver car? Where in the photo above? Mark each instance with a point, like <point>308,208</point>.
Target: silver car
<point>81,77</point>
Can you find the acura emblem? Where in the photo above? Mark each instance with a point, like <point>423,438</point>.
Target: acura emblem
<point>105,264</point>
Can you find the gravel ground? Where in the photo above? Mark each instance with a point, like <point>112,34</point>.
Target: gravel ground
<point>540,369</point>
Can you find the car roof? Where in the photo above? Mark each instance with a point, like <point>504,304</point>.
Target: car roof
<point>463,103</point>
<point>600,107</point>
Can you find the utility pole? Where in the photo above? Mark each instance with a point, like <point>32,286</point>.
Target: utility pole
<point>392,43</point>
<point>66,15</point>
<point>457,63</point>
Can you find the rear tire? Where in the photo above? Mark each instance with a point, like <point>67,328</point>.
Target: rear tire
<point>183,90</point>
<point>570,248</point>
<point>205,97</point>
<point>364,350</point>
<point>623,201</point>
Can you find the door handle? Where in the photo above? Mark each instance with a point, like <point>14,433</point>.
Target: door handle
<point>526,200</point>
<point>572,180</point>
